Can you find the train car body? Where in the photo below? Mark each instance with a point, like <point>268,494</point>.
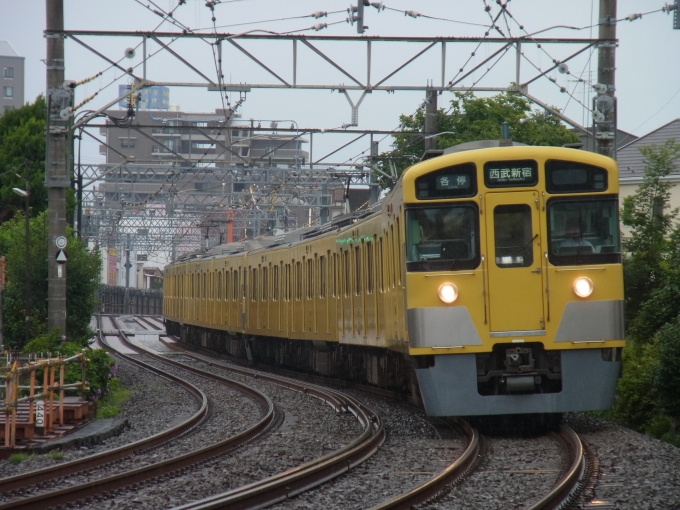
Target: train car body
<point>488,281</point>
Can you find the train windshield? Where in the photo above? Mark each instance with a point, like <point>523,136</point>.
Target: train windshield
<point>442,238</point>
<point>584,231</point>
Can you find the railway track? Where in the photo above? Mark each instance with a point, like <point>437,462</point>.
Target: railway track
<point>272,489</point>
<point>561,493</point>
<point>36,480</point>
<point>284,485</point>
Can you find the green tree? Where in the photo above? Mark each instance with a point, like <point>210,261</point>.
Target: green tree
<point>652,243</point>
<point>83,269</point>
<point>478,118</point>
<point>668,368</point>
<point>22,142</point>
<point>649,390</point>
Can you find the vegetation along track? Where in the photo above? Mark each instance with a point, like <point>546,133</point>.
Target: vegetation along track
<point>131,477</point>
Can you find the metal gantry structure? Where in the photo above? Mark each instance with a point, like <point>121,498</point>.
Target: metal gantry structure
<point>181,204</point>
<point>167,208</point>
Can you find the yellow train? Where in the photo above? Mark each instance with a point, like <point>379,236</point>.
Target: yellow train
<point>488,281</point>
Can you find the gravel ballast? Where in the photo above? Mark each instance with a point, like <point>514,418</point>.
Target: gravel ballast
<point>635,471</point>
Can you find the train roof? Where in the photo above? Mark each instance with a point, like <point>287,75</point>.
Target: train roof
<point>285,239</point>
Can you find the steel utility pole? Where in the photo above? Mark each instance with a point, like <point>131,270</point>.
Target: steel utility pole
<point>56,175</point>
<point>605,130</point>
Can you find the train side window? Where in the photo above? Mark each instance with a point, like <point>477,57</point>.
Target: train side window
<point>380,266</point>
<point>265,283</point>
<point>513,235</point>
<point>275,283</point>
<point>298,281</point>
<point>322,276</point>
<point>345,256</point>
<point>369,267</point>
<point>398,252</point>
<point>227,287</point>
<point>219,286</point>
<point>253,285</point>
<point>287,287</point>
<point>331,274</point>
<point>310,278</point>
<point>358,284</point>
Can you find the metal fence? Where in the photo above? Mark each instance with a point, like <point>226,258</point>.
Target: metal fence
<point>120,300</point>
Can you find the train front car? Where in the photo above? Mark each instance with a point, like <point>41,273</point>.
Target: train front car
<point>514,285</point>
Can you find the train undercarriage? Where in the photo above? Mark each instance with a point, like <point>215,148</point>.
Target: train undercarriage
<point>363,365</point>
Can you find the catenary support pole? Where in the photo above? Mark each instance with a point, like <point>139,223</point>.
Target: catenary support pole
<point>56,177</point>
<point>431,119</point>
<point>605,133</point>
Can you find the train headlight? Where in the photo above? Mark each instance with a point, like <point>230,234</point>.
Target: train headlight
<point>583,287</point>
<point>448,292</point>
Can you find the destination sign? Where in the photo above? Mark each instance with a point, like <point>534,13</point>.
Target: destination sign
<point>453,182</point>
<point>510,173</point>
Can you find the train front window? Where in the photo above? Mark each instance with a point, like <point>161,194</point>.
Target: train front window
<point>513,235</point>
<point>443,238</point>
<point>584,231</point>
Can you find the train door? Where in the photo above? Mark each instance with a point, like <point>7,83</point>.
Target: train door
<point>514,262</point>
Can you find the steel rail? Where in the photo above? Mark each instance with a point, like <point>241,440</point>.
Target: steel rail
<point>306,476</point>
<point>336,400</point>
<point>561,493</point>
<point>96,487</point>
<point>435,485</point>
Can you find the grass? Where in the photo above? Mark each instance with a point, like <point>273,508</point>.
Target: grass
<point>18,458</point>
<point>108,406</point>
<point>55,455</point>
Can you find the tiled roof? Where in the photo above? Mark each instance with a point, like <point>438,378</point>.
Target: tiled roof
<point>631,162</point>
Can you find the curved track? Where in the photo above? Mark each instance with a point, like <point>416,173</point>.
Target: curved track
<point>569,482</point>
<point>260,493</point>
<point>78,492</point>
<point>560,494</point>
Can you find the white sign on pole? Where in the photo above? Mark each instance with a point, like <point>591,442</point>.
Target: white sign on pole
<point>40,413</point>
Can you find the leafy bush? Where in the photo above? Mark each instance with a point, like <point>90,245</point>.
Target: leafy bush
<point>636,394</point>
<point>99,370</point>
<point>667,373</point>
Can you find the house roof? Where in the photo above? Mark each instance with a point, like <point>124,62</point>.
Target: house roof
<point>629,157</point>
<point>6,49</point>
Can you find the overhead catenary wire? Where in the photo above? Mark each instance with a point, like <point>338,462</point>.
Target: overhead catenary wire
<point>316,15</point>
<point>507,27</point>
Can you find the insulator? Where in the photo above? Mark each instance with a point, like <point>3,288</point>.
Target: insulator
<point>413,14</point>
<point>319,26</point>
<point>634,16</point>
<point>320,14</point>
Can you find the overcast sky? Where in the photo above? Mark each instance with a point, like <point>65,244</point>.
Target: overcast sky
<point>647,78</point>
